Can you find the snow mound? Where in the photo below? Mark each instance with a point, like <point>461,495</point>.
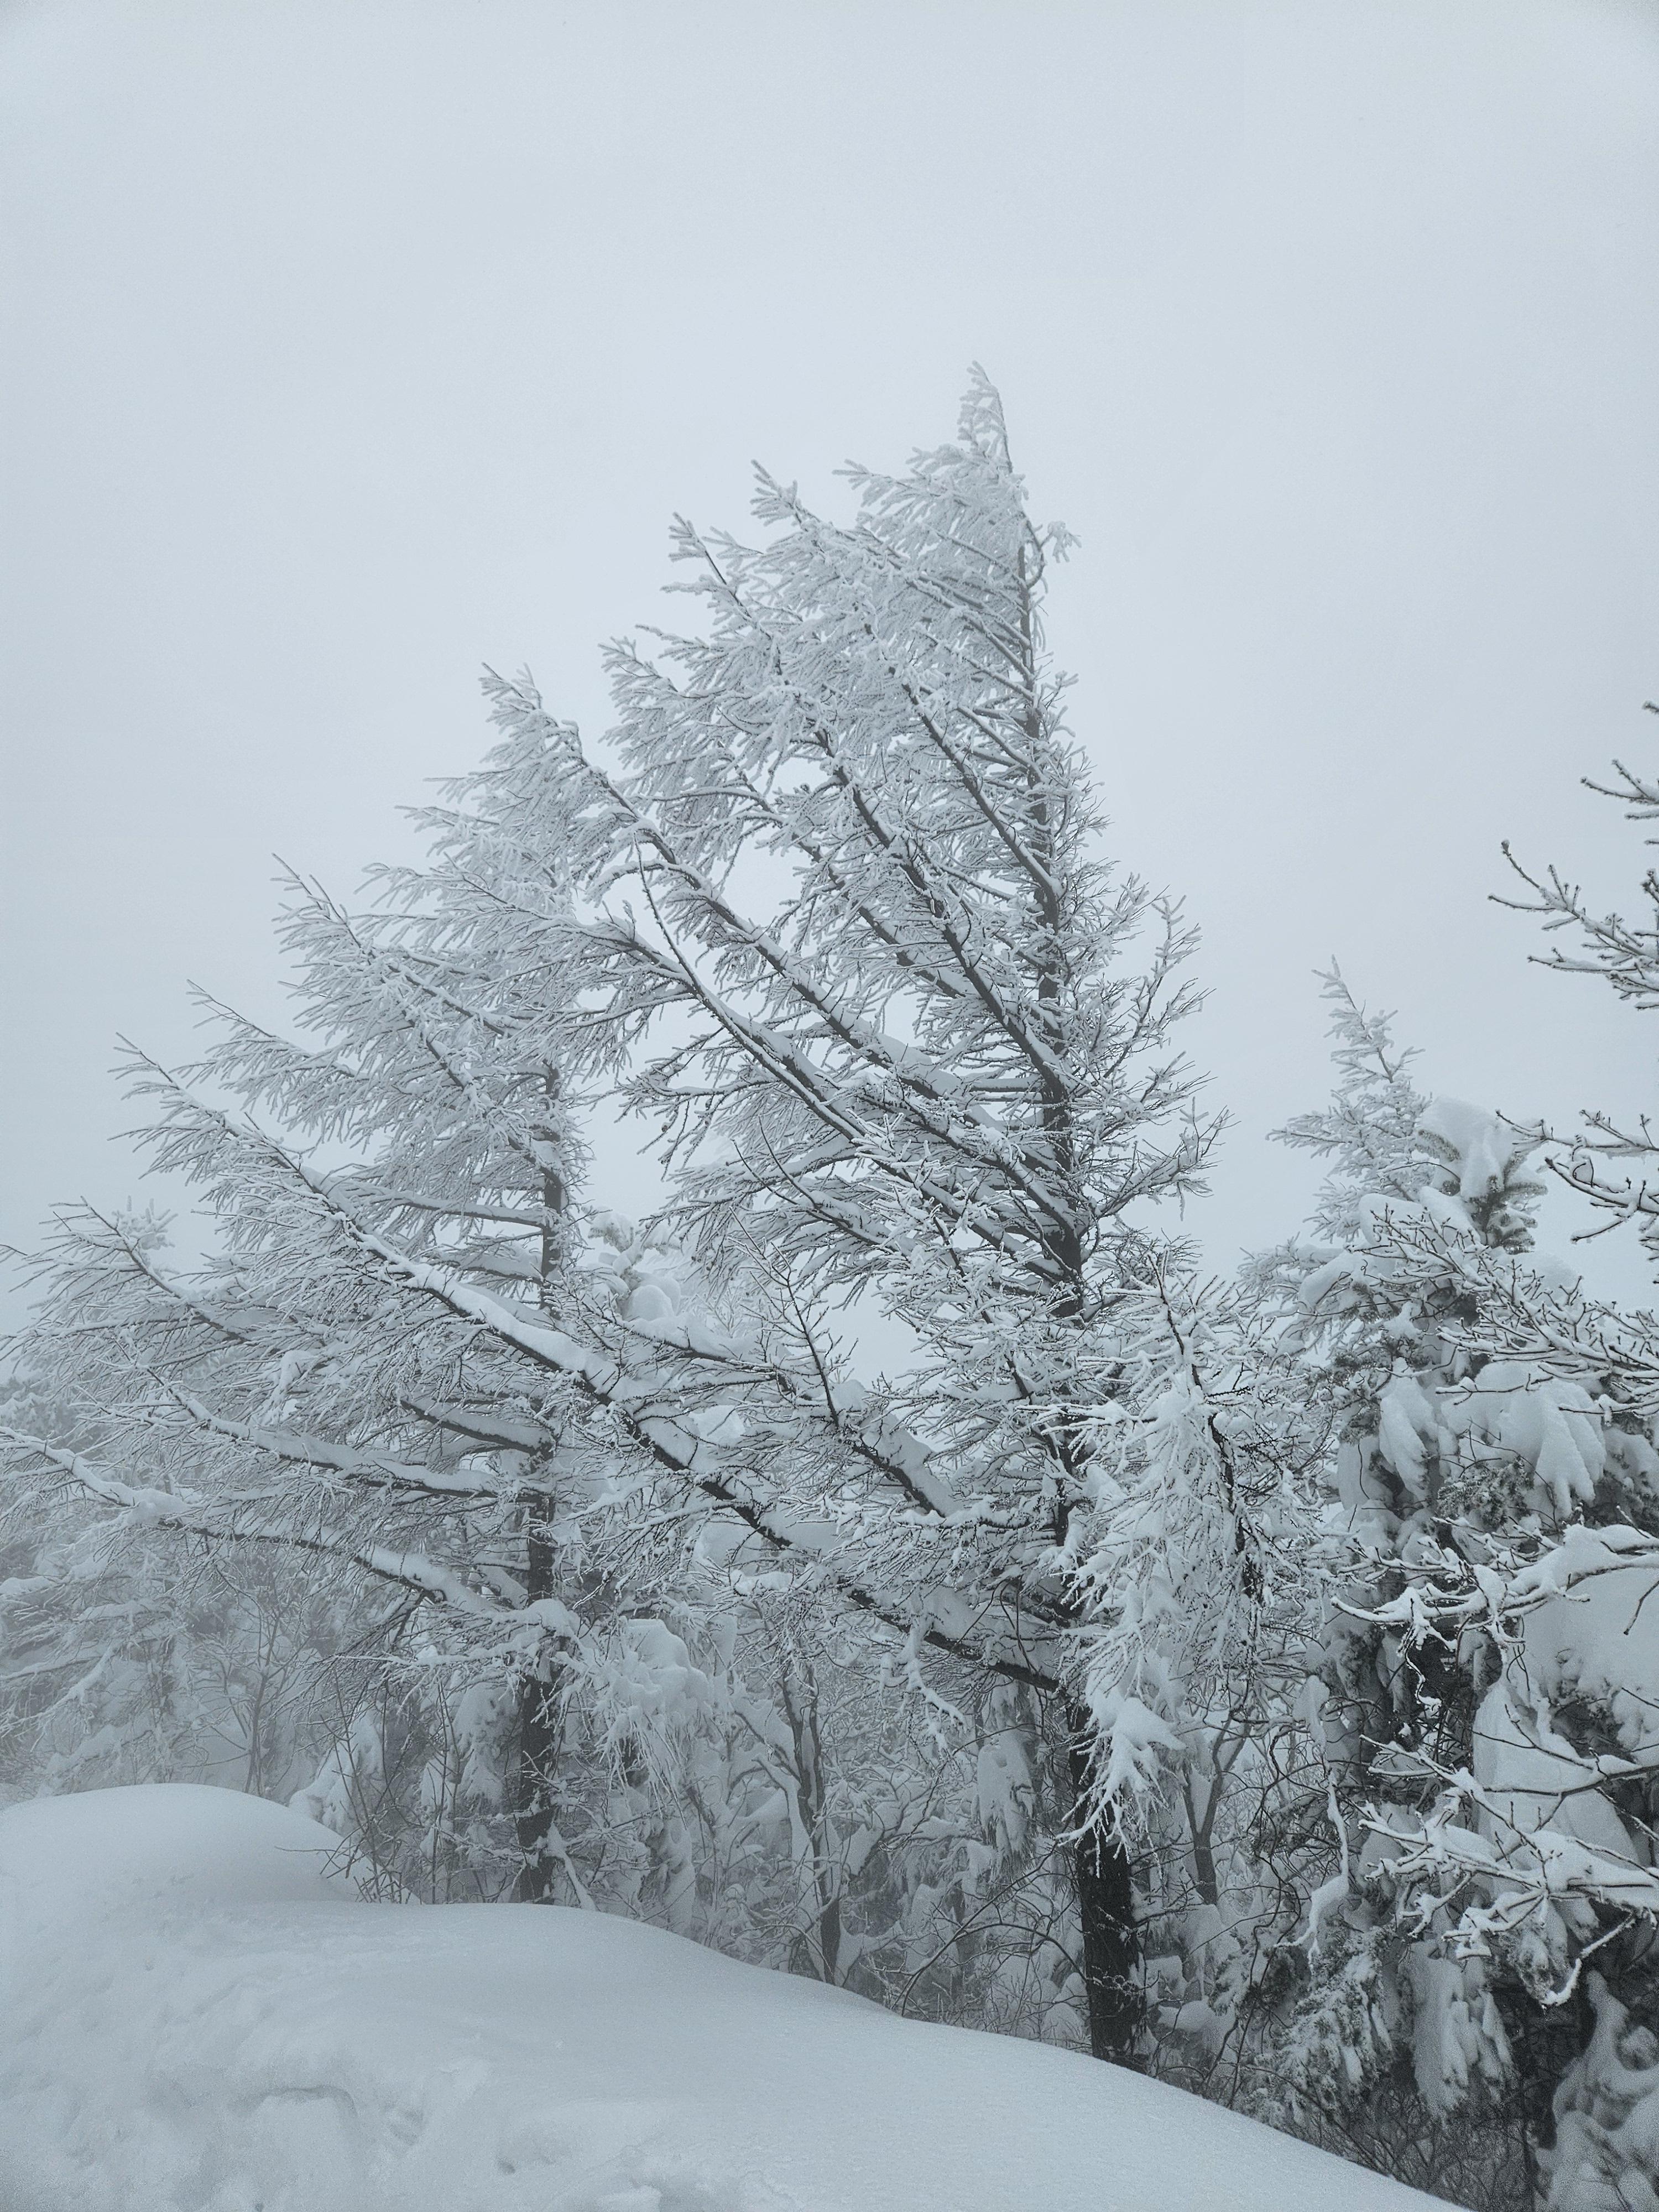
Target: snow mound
<point>195,2016</point>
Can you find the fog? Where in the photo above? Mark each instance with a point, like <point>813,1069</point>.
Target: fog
<point>345,350</point>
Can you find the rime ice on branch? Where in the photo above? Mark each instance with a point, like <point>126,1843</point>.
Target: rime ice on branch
<point>845,939</point>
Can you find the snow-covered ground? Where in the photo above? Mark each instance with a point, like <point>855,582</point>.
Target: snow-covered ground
<point>196,2015</point>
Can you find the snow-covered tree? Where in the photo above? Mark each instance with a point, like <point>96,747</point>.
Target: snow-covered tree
<point>1491,1464</point>
<point>1202,1579</point>
<point>834,920</point>
<point>127,1656</point>
<point>1417,1454</point>
<point>415,1365</point>
<point>1606,1161</point>
<point>850,946</point>
<point>1540,1847</point>
<point>307,1392</point>
<point>1368,1331</point>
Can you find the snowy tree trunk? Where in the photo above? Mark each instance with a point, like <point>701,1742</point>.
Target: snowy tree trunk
<point>539,1726</point>
<point>1111,1948</point>
<point>539,1702</point>
<point>1105,1897</point>
<point>921,1078</point>
<point>801,1705</point>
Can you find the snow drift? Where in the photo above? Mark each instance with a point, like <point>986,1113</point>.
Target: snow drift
<point>196,2015</point>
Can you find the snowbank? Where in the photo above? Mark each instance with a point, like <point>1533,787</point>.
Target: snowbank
<point>196,2016</point>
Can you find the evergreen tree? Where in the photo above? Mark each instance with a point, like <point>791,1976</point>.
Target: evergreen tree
<point>417,1366</point>
<point>837,924</point>
<point>303,1393</point>
<point>853,951</point>
<point>1457,1451</point>
<point>1543,1846</point>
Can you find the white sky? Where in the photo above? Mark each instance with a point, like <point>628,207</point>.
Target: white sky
<point>347,347</point>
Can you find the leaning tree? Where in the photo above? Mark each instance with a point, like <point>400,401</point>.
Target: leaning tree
<point>353,1378</point>
<point>843,934</point>
<point>834,917</point>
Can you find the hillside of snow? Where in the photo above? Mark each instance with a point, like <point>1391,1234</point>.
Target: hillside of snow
<point>197,2016</point>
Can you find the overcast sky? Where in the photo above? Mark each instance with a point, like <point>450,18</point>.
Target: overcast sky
<point>346,347</point>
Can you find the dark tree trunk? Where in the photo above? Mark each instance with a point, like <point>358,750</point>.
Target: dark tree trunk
<point>538,1737</point>
<point>1111,1943</point>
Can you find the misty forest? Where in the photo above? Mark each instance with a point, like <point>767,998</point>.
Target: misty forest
<point>896,1557</point>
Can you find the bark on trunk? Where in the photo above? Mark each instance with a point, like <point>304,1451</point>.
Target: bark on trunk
<point>538,1742</point>
<point>1111,1947</point>
<point>1111,1943</point>
<point>538,1719</point>
<point>822,1947</point>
